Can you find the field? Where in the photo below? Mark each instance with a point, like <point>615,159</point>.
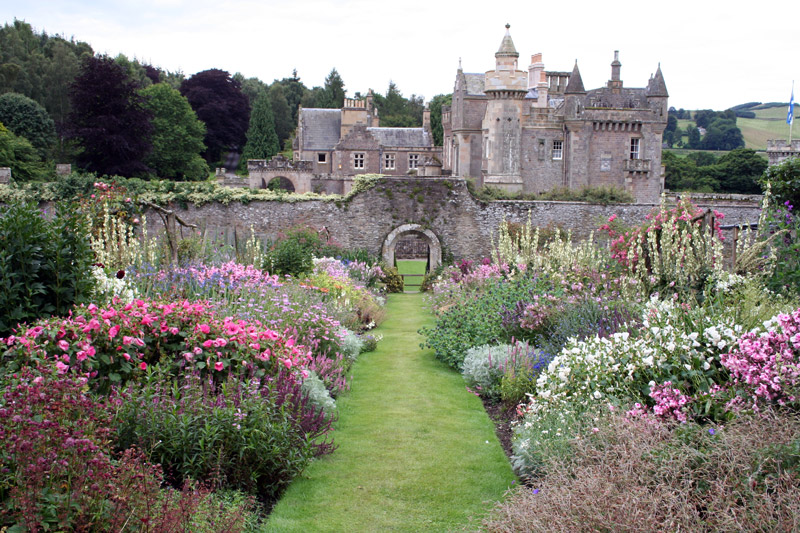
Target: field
<point>768,124</point>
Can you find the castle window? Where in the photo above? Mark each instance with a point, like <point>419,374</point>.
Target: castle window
<point>358,160</point>
<point>557,150</point>
<point>413,160</point>
<point>635,148</point>
<point>322,157</point>
<point>388,162</point>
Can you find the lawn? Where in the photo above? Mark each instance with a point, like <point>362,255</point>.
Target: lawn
<point>414,267</point>
<point>417,452</point>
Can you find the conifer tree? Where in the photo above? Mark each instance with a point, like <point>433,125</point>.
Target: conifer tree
<point>262,141</point>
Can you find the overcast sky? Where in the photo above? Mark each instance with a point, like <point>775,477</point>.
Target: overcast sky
<point>713,54</point>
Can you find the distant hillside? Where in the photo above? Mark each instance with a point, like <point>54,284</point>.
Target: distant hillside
<point>769,123</point>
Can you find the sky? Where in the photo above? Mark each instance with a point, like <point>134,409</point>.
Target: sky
<point>713,55</point>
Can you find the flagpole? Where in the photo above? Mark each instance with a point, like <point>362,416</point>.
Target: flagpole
<point>791,115</point>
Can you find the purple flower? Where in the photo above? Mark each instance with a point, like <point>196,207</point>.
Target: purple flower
<point>712,431</point>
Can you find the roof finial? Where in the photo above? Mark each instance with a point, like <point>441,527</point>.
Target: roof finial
<point>459,63</point>
<point>508,27</point>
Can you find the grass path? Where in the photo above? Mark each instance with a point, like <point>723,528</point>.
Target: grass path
<point>417,452</point>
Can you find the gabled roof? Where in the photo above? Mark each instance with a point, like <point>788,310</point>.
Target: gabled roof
<point>402,137</point>
<point>475,83</point>
<point>321,128</point>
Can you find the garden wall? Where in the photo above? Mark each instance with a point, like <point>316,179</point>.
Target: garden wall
<point>463,224</point>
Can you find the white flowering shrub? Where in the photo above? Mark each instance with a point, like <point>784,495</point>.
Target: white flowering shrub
<point>675,343</point>
<point>107,287</point>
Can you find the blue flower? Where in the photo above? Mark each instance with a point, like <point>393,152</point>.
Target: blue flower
<point>711,431</point>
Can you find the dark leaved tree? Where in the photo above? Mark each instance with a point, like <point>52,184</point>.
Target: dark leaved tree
<point>108,120</point>
<point>219,102</point>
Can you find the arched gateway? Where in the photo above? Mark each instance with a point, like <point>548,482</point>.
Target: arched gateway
<point>434,246</point>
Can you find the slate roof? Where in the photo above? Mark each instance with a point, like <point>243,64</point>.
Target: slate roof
<point>321,128</point>
<point>657,87</point>
<point>402,137</point>
<point>575,85</point>
<point>475,83</point>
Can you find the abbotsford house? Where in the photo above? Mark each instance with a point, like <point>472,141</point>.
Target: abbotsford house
<point>519,130</point>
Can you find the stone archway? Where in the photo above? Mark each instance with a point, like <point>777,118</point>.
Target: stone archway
<point>434,246</point>
<point>279,182</point>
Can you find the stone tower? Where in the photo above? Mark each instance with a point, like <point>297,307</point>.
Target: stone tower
<point>505,89</point>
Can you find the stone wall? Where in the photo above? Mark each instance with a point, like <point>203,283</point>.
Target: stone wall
<point>463,225</point>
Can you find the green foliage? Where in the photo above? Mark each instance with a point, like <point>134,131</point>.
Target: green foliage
<point>40,66</point>
<point>293,255</point>
<point>318,395</point>
<point>26,118</point>
<point>484,367</point>
<point>478,321</point>
<point>435,106</point>
<point>237,435</point>
<point>397,111</point>
<point>19,154</point>
<point>44,264</point>
<point>262,141</point>
<point>392,279</point>
<point>784,181</point>
<point>735,172</point>
<point>284,124</point>
<point>595,195</point>
<point>333,92</point>
<point>177,135</point>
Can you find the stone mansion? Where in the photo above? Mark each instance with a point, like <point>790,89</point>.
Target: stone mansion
<point>528,131</point>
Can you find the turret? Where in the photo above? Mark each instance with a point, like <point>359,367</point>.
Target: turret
<point>657,94</point>
<point>574,93</point>
<point>507,56</point>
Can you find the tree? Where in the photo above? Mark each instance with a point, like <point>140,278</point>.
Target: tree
<point>722,134</point>
<point>26,118</point>
<point>742,168</point>
<point>20,155</point>
<point>333,91</point>
<point>177,135</point>
<point>262,141</point>
<point>694,136</point>
<point>109,120</point>
<point>397,111</point>
<point>284,125</point>
<point>435,108</point>
<point>294,90</point>
<point>220,103</point>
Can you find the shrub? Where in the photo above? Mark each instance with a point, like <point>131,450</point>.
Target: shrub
<point>318,395</point>
<point>743,477</point>
<point>57,471</point>
<point>248,433</point>
<point>370,342</point>
<point>484,367</point>
<point>392,279</point>
<point>44,264</point>
<point>480,320</point>
<point>352,346</point>
<point>522,370</point>
<point>293,255</point>
<point>120,342</point>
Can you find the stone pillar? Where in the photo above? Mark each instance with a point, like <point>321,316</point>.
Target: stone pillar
<point>63,169</point>
<point>5,175</point>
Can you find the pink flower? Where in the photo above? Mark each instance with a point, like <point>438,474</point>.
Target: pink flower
<point>113,331</point>
<point>143,365</point>
<point>204,328</point>
<point>62,368</point>
<point>64,345</point>
<point>218,366</point>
